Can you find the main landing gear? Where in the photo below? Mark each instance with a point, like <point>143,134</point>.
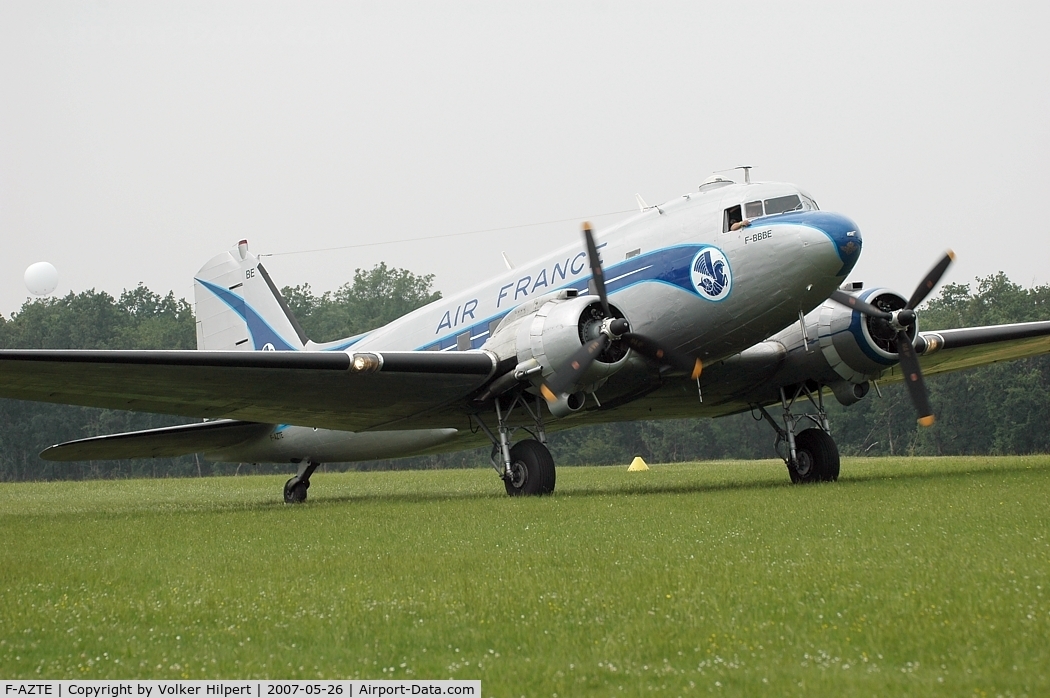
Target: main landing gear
<point>295,488</point>
<point>527,467</point>
<point>810,454</point>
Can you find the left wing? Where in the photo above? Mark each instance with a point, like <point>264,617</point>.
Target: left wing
<point>755,376</point>
<point>953,350</point>
<point>354,391</point>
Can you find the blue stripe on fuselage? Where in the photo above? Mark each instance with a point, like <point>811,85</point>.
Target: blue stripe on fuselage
<point>341,347</point>
<point>842,232</point>
<point>669,265</point>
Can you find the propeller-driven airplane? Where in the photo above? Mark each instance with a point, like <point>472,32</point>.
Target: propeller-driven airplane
<point>726,299</point>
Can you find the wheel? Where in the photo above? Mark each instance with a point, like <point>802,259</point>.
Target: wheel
<point>531,469</point>
<point>816,457</point>
<point>802,469</point>
<point>295,490</point>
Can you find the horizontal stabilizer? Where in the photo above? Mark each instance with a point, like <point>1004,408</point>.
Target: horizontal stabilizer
<point>165,442</point>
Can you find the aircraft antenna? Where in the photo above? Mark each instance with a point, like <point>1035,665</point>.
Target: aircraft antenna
<point>374,243</point>
<point>745,168</point>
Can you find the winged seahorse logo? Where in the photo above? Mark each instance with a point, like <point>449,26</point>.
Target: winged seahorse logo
<point>710,274</point>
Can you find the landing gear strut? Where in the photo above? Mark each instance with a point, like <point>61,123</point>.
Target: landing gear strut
<point>295,488</point>
<point>527,467</point>
<point>810,454</point>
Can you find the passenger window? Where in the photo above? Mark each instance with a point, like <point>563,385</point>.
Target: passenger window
<point>731,218</point>
<point>463,341</point>
<point>782,204</point>
<point>753,209</point>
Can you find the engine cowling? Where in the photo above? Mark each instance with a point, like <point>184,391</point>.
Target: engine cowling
<point>546,332</point>
<point>857,347</point>
<point>559,328</point>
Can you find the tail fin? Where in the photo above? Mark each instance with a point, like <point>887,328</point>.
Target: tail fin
<point>238,306</point>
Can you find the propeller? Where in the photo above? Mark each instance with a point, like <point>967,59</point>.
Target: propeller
<point>613,329</point>
<point>901,321</point>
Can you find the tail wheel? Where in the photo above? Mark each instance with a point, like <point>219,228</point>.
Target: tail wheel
<point>531,469</point>
<point>295,490</point>
<point>816,457</point>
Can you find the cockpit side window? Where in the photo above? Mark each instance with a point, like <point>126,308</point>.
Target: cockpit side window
<point>782,204</point>
<point>753,209</point>
<point>732,217</point>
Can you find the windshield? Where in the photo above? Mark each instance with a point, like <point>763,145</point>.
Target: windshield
<point>779,204</point>
<point>740,215</point>
<point>782,204</point>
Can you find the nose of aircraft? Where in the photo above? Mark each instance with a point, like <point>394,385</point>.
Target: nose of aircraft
<point>840,231</point>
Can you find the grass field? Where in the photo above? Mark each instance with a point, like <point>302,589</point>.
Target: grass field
<point>907,577</point>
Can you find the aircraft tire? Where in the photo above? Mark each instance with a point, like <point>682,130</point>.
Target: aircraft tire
<point>817,457</point>
<point>295,491</point>
<point>531,470</point>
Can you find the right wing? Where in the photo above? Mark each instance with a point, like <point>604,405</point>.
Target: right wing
<point>354,391</point>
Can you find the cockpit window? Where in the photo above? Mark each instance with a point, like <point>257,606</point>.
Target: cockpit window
<point>731,218</point>
<point>782,204</point>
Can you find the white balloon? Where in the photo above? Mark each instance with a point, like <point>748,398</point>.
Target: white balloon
<point>41,278</point>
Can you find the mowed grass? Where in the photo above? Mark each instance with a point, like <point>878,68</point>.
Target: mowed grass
<point>907,577</point>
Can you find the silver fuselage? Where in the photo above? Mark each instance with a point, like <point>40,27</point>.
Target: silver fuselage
<point>658,270</point>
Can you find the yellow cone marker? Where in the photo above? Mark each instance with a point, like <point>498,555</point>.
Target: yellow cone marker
<point>637,465</point>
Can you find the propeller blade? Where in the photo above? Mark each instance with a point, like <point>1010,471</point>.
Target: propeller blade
<point>596,269</point>
<point>909,361</point>
<point>669,357</point>
<point>913,378</point>
<point>931,280</point>
<point>863,307</point>
<point>568,375</point>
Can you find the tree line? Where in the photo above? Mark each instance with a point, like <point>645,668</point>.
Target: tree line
<point>997,409</point>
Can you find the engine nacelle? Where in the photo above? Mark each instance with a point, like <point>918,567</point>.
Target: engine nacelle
<point>545,332</point>
<point>857,347</point>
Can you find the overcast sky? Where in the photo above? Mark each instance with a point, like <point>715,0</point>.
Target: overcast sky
<point>139,139</point>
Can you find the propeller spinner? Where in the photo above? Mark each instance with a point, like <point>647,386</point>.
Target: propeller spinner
<point>613,329</point>
<point>901,321</point>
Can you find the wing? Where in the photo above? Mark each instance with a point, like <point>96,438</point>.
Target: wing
<point>336,390</point>
<point>754,376</point>
<point>953,350</point>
